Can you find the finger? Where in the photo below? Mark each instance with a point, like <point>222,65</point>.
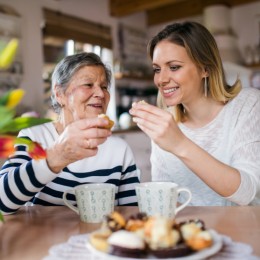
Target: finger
<point>92,123</point>
<point>96,133</point>
<point>93,143</point>
<point>145,107</point>
<point>145,125</point>
<point>90,153</point>
<point>143,117</point>
<point>147,131</point>
<point>87,144</point>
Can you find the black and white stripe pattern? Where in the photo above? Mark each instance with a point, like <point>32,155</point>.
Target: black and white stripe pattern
<point>23,180</point>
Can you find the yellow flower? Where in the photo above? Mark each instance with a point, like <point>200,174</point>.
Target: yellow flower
<point>14,98</point>
<point>8,54</point>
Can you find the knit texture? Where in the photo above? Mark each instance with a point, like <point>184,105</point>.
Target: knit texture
<point>233,138</point>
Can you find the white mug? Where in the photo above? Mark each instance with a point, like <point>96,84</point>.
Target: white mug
<point>94,201</point>
<point>160,198</point>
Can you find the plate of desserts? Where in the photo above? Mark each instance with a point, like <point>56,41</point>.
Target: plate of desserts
<point>156,237</point>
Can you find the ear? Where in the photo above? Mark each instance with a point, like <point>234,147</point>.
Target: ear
<point>58,94</point>
<point>205,73</point>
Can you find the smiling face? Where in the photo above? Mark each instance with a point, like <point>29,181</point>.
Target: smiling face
<point>179,80</point>
<point>86,96</point>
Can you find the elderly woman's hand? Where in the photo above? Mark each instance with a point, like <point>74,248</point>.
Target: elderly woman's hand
<point>79,140</point>
<point>159,125</point>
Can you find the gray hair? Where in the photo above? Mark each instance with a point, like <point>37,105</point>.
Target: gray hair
<point>66,69</point>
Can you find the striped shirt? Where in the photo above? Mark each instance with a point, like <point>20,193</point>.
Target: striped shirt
<point>27,181</point>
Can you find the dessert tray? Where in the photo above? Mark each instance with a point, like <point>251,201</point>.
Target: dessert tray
<point>78,248</point>
<point>207,252</point>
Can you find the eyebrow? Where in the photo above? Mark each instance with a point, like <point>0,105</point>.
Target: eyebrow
<point>170,62</point>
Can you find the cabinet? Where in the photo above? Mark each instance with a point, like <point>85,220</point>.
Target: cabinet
<point>141,146</point>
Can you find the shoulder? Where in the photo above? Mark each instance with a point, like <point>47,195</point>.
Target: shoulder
<point>36,133</point>
<point>250,95</point>
<point>247,100</point>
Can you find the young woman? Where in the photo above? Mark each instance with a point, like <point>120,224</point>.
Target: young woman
<point>205,134</point>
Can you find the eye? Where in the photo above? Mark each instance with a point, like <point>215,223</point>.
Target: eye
<point>156,70</point>
<point>89,85</point>
<point>104,87</point>
<point>174,67</point>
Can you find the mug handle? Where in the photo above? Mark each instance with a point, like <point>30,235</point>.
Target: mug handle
<point>67,203</point>
<point>182,206</point>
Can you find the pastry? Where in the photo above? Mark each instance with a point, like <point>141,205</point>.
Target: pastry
<point>111,122</point>
<point>98,240</point>
<point>126,244</point>
<point>200,241</point>
<point>140,236</point>
<point>164,241</point>
<point>136,222</point>
<point>195,235</point>
<point>178,250</point>
<point>114,222</point>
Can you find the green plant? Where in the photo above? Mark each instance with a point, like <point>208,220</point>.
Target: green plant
<point>11,125</point>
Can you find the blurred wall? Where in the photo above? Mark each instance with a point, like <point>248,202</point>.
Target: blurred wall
<point>32,22</point>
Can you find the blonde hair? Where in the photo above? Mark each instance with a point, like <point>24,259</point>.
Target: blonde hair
<point>203,51</point>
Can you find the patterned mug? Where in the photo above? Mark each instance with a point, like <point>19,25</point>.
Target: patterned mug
<point>160,198</point>
<point>94,201</point>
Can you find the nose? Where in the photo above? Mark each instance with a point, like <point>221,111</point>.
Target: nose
<point>99,92</point>
<point>163,78</point>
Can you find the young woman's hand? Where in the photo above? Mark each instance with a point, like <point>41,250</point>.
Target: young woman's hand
<point>159,125</point>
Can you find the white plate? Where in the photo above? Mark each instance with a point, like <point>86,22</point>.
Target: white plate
<point>216,246</point>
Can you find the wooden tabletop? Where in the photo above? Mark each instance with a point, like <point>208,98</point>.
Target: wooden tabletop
<point>28,234</point>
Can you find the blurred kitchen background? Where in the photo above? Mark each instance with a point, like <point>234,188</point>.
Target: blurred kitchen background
<point>118,30</point>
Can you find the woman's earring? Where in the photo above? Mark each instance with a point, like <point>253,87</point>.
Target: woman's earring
<point>205,87</point>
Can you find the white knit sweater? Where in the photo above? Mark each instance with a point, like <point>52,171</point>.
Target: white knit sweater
<point>233,137</point>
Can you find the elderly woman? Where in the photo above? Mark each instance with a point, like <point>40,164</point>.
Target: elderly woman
<point>80,148</point>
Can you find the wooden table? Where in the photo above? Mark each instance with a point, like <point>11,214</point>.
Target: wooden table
<point>28,234</point>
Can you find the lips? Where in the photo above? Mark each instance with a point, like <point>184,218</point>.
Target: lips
<point>169,90</point>
<point>96,105</point>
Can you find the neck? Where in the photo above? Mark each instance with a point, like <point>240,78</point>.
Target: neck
<point>61,123</point>
<point>200,114</point>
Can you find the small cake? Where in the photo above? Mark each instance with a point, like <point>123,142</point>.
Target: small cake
<point>142,102</point>
<point>136,222</point>
<point>163,240</point>
<point>140,236</point>
<point>195,235</point>
<point>111,122</point>
<point>200,241</point>
<point>98,240</point>
<point>114,222</point>
<point>126,244</point>
<point>159,233</point>
<point>179,250</point>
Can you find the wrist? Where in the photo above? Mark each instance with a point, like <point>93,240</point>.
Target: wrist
<point>181,150</point>
<point>53,162</point>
